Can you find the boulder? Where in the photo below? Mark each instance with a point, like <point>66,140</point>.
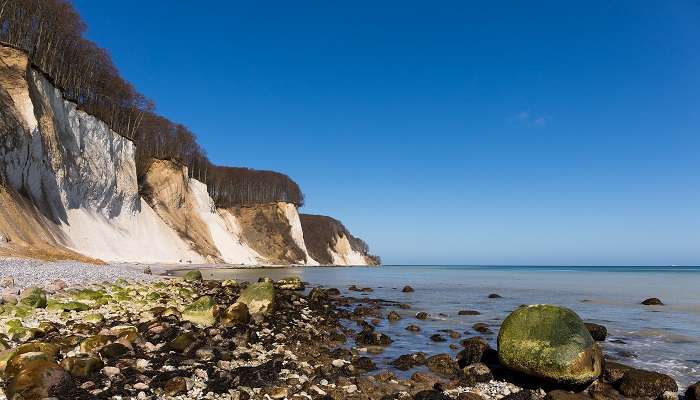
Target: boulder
<point>408,361</point>
<point>474,348</point>
<point>202,311</point>
<point>477,373</point>
<point>193,276</point>
<point>290,283</point>
<point>598,332</point>
<point>430,395</point>
<point>442,364</point>
<point>393,316</point>
<point>38,380</point>
<point>422,315</point>
<point>235,314</point>
<point>407,289</point>
<point>481,327</point>
<point>564,395</point>
<point>652,301</point>
<point>82,365</point>
<point>495,296</point>
<point>259,297</point>
<point>94,343</point>
<point>549,342</point>
<point>613,371</point>
<point>640,383</point>
<point>33,297</point>
<point>693,392</point>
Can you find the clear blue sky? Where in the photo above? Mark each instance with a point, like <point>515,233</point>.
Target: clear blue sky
<point>514,132</point>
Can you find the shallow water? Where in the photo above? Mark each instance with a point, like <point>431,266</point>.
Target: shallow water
<point>662,338</point>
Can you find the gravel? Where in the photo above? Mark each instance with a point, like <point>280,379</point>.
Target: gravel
<point>41,273</point>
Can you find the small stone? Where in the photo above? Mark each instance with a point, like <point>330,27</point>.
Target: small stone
<point>653,301</point>
<point>422,315</point>
<point>338,363</point>
<point>442,364</point>
<point>437,338</point>
<point>481,328</point>
<point>413,328</point>
<point>111,371</point>
<point>693,392</point>
<point>393,316</point>
<point>640,383</point>
<point>468,312</point>
<point>495,296</point>
<point>407,289</point>
<point>175,386</point>
<point>33,297</point>
<point>7,281</point>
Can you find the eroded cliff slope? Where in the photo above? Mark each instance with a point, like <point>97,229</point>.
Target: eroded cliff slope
<point>330,243</point>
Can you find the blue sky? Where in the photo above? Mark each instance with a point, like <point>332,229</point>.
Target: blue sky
<point>445,132</point>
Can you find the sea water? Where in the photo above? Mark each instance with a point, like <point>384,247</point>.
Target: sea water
<point>660,338</point>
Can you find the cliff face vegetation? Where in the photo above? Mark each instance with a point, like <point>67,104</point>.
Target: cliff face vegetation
<point>330,243</point>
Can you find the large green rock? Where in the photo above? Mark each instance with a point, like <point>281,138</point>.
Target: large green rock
<point>259,297</point>
<point>193,276</point>
<point>202,311</point>
<point>549,342</point>
<point>33,297</point>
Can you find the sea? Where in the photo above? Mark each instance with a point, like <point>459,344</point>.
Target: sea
<point>660,338</point>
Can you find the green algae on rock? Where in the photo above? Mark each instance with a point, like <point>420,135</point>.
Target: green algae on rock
<point>33,297</point>
<point>549,342</point>
<point>202,311</point>
<point>82,365</point>
<point>259,297</point>
<point>193,276</point>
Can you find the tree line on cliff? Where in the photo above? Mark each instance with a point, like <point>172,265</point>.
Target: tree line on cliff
<point>51,32</point>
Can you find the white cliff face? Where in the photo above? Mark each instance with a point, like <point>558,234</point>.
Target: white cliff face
<point>291,212</point>
<point>343,253</point>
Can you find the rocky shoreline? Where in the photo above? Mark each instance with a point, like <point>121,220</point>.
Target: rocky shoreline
<point>188,338</point>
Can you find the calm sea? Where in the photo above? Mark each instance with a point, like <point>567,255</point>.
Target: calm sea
<point>664,338</point>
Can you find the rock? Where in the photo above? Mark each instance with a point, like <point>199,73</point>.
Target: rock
<point>437,338</point>
<point>598,332</point>
<point>318,295</point>
<point>202,311</point>
<point>20,361</point>
<point>193,276</point>
<point>175,386</point>
<point>469,396</point>
<point>474,348</point>
<point>82,365</point>
<point>477,373</point>
<point>408,361</point>
<point>235,314</point>
<point>10,295</point>
<point>56,286</point>
<point>549,342</point>
<point>38,380</point>
<point>430,395</point>
<point>113,351</point>
<point>94,343</point>
<point>290,283</point>
<point>640,383</point>
<point>368,337</point>
<point>495,296</point>
<point>393,316</point>
<point>259,297</point>
<point>613,372</point>
<point>422,315</point>
<point>599,390</point>
<point>7,281</point>
<point>407,289</point>
<point>653,301</point>
<point>481,328</point>
<point>564,395</point>
<point>693,392</point>
<point>229,283</point>
<point>413,328</point>
<point>183,343</point>
<point>468,312</point>
<point>147,270</point>
<point>364,363</point>
<point>442,364</point>
<point>33,297</point>
<point>111,371</point>
<point>94,319</point>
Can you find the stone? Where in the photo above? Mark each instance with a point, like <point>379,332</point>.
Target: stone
<point>113,351</point>
<point>94,319</point>
<point>481,328</point>
<point>33,297</point>
<point>10,295</point>
<point>599,390</point>
<point>564,395</point>
<point>235,314</point>
<point>597,331</point>
<point>111,371</point>
<point>22,360</point>
<point>468,312</point>
<point>407,289</point>
<point>653,301</point>
<point>549,342</point>
<point>408,361</point>
<point>38,380</point>
<point>437,338</point>
<point>290,283</point>
<point>477,373</point>
<point>182,343</point>
<point>82,365</point>
<point>94,343</point>
<point>495,296</point>
<point>413,328</point>
<point>369,337</point>
<point>474,348</point>
<point>364,363</point>
<point>422,315</point>
<point>442,364</point>
<point>202,311</point>
<point>259,297</point>
<point>393,316</point>
<point>430,395</point>
<point>641,383</point>
<point>7,281</point>
<point>50,349</point>
<point>613,371</point>
<point>693,392</point>
<point>175,386</point>
<point>193,276</point>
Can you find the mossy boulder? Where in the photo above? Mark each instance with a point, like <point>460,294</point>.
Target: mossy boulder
<point>202,311</point>
<point>50,349</point>
<point>94,343</point>
<point>89,294</point>
<point>259,297</point>
<point>94,318</point>
<point>551,343</point>
<point>193,276</point>
<point>33,297</point>
<point>20,361</point>
<point>38,380</point>
<point>82,365</point>
<point>236,314</point>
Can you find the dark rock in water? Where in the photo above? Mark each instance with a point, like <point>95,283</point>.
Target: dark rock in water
<point>413,328</point>
<point>437,338</point>
<point>113,351</point>
<point>693,392</point>
<point>490,357</point>
<point>613,372</point>
<point>524,394</point>
<point>640,383</point>
<point>430,395</point>
<point>549,342</point>
<point>477,373</point>
<point>474,348</point>
<point>404,306</point>
<point>564,395</point>
<point>408,361</point>
<point>653,301</point>
<point>626,354</point>
<point>598,332</point>
<point>368,337</point>
<point>364,363</point>
<point>407,289</point>
<point>332,292</point>
<point>495,296</point>
<point>290,283</point>
<point>393,316</point>
<point>468,312</point>
<point>39,380</point>
<point>183,343</point>
<point>318,295</point>
<point>422,315</point>
<point>442,364</point>
<point>481,328</point>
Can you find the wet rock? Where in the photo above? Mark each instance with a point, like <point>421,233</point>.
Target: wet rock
<point>474,348</point>
<point>183,343</point>
<point>481,328</point>
<point>193,276</point>
<point>318,295</point>
<point>393,316</point>
<point>364,363</point>
<point>370,337</point>
<point>413,328</point>
<point>94,343</point>
<point>259,297</point>
<point>20,361</point>
<point>564,395</point>
<point>640,383</point>
<point>113,351</point>
<point>430,395</point>
<point>290,283</point>
<point>693,392</point>
<point>549,342</point>
<point>407,289</point>
<point>598,332</point>
<point>477,373</point>
<point>437,338</point>
<point>82,365</point>
<point>408,361</point>
<point>495,296</point>
<point>38,380</point>
<point>524,394</point>
<point>33,297</point>
<point>235,314</point>
<point>202,311</point>
<point>653,301</point>
<point>422,315</point>
<point>442,364</point>
<point>468,312</point>
<point>175,386</point>
<point>599,390</point>
<point>613,371</point>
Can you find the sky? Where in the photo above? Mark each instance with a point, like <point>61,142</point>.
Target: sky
<point>452,132</point>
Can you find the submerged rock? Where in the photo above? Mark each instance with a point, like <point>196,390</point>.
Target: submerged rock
<point>442,364</point>
<point>653,301</point>
<point>259,297</point>
<point>407,289</point>
<point>549,342</point>
<point>474,349</point>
